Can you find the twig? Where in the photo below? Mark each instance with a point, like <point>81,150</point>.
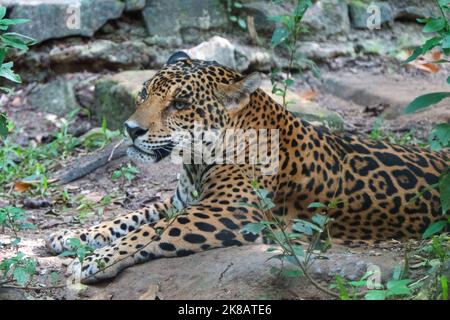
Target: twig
<point>114,149</point>
<point>33,288</point>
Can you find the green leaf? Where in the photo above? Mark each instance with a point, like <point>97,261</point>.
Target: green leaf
<point>242,23</point>
<point>444,188</point>
<point>116,174</point>
<point>398,288</point>
<point>434,228</point>
<point>317,205</point>
<point>2,12</point>
<point>2,56</point>
<point>426,100</point>
<point>446,42</point>
<point>434,25</point>
<point>305,227</point>
<point>440,136</point>
<point>21,276</point>
<point>3,126</point>
<point>448,80</point>
<point>14,42</point>
<point>375,295</point>
<point>279,36</point>
<point>253,228</point>
<point>7,73</point>
<point>444,286</point>
<point>320,219</point>
<point>10,22</point>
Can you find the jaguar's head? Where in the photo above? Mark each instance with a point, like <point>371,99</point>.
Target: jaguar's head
<point>185,95</point>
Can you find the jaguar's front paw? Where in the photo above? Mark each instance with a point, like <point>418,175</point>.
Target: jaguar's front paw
<point>59,241</point>
<point>96,267</point>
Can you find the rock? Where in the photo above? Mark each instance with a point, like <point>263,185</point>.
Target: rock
<point>134,5</point>
<point>361,14</point>
<point>185,19</point>
<point>251,58</point>
<point>323,51</point>
<point>261,11</point>
<point>115,96</point>
<point>7,294</point>
<point>327,18</point>
<point>102,54</point>
<point>215,49</point>
<point>235,56</point>
<point>232,273</point>
<point>57,96</point>
<point>307,110</point>
<point>414,9</point>
<point>390,91</point>
<point>61,18</point>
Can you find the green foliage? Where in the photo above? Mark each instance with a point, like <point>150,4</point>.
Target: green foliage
<point>233,10</point>
<point>17,268</point>
<point>276,231</point>
<point>129,172</point>
<point>31,163</point>
<point>286,36</point>
<point>441,26</point>
<point>394,288</point>
<point>434,256</point>
<point>99,138</point>
<point>77,249</point>
<point>9,40</point>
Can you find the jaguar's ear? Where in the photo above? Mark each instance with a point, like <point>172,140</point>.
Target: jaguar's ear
<point>177,56</point>
<point>237,94</point>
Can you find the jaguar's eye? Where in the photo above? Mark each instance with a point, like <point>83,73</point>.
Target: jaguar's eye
<point>180,104</point>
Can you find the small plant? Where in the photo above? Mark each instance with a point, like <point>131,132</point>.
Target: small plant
<point>9,40</point>
<point>277,231</point>
<point>394,288</point>
<point>233,8</point>
<point>129,172</point>
<point>99,138</point>
<point>286,36</point>
<point>18,268</point>
<point>78,250</point>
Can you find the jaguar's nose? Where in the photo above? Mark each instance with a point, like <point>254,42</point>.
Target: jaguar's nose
<point>134,131</point>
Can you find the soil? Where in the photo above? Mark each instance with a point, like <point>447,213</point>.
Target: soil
<point>205,275</point>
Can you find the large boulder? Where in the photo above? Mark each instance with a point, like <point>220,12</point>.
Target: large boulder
<point>61,18</point>
<point>134,5</point>
<point>186,19</point>
<point>104,53</point>
<point>232,55</point>
<point>115,96</point>
<point>233,273</point>
<point>325,18</point>
<point>361,14</point>
<point>414,9</point>
<point>56,97</point>
<point>215,49</point>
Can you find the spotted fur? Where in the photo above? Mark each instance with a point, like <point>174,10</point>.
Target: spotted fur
<point>377,182</point>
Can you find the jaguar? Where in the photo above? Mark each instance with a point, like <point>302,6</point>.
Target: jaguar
<point>381,190</point>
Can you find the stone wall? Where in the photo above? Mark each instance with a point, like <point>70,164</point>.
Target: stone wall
<point>96,35</point>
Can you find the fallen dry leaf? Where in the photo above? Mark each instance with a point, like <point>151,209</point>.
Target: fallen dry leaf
<point>21,186</point>
<point>308,95</point>
<point>428,67</point>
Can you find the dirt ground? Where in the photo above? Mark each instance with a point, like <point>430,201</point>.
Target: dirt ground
<point>155,182</point>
